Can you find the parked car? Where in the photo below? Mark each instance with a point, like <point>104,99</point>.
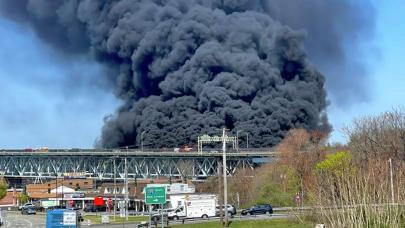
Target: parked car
<point>25,205</point>
<point>258,209</point>
<point>28,210</point>
<point>93,208</point>
<point>157,215</point>
<point>1,220</point>
<point>230,209</point>
<point>56,207</point>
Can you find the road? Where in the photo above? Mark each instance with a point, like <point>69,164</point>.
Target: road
<point>14,219</point>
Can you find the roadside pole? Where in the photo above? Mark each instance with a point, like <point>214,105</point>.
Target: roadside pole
<point>162,216</point>
<point>126,189</point>
<point>224,173</point>
<point>221,217</point>
<point>392,183</point>
<point>115,190</point>
<point>150,215</point>
<point>155,195</point>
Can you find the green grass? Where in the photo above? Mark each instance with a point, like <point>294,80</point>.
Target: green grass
<point>273,223</point>
<point>96,219</point>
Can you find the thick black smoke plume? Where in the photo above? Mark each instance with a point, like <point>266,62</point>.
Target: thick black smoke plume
<point>185,68</point>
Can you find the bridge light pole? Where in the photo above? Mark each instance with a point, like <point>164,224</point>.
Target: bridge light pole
<point>143,132</point>
<point>237,139</point>
<point>247,140</point>
<point>126,187</point>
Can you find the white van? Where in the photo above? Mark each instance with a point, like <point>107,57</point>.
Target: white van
<point>195,206</point>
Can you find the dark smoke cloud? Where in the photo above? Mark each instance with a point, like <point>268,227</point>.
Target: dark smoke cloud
<point>336,30</point>
<point>184,68</point>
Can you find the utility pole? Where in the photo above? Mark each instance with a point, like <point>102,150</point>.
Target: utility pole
<point>392,182</point>
<point>115,189</point>
<point>126,189</point>
<point>63,179</point>
<point>56,188</point>
<point>221,213</point>
<point>224,174</point>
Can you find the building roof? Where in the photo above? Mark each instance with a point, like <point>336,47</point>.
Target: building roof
<point>62,189</point>
<point>48,189</point>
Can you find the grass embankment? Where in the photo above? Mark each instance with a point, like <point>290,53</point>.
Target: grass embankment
<point>274,223</point>
<point>96,219</point>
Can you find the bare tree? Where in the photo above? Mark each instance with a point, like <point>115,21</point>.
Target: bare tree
<point>186,169</point>
<point>381,136</point>
<point>361,197</point>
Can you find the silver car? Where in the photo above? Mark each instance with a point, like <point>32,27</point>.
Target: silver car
<point>230,209</point>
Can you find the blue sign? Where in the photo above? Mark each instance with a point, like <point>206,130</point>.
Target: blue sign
<point>61,219</point>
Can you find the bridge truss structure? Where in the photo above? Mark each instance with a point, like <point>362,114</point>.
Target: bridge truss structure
<point>100,164</point>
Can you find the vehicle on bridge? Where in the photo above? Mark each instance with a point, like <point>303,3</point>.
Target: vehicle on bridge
<point>42,149</point>
<point>184,148</point>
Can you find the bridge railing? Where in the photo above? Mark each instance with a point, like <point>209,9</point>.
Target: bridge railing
<point>145,150</point>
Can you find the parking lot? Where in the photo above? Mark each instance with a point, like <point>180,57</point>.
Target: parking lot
<point>14,219</point>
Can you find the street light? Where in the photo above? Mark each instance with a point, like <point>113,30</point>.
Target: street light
<point>237,138</point>
<point>247,140</point>
<point>143,132</point>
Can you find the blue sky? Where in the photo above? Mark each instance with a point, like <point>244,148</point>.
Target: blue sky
<point>47,100</point>
<point>384,57</point>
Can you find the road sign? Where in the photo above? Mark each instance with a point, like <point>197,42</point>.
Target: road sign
<point>155,195</point>
<point>69,218</point>
<point>105,219</point>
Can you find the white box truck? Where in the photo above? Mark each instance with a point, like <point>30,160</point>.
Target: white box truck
<point>195,206</point>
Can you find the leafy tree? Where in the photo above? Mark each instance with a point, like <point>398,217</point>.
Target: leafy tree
<point>278,186</point>
<point>23,198</point>
<point>337,164</point>
<point>3,190</point>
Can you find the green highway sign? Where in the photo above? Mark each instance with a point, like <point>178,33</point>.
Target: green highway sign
<point>155,195</point>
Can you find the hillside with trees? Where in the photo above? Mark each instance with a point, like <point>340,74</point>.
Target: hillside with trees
<point>360,184</point>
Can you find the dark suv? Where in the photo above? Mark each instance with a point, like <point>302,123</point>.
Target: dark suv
<point>258,209</point>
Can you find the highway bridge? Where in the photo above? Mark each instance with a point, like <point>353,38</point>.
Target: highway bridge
<point>99,164</point>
